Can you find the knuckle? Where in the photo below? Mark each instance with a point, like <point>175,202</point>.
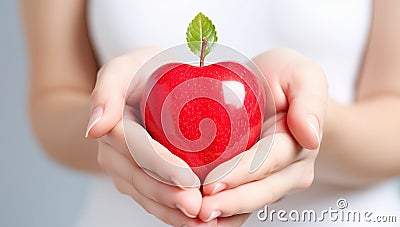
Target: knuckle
<point>306,70</point>
<point>132,179</point>
<point>285,51</point>
<point>122,188</point>
<point>146,207</point>
<point>119,186</point>
<point>145,203</point>
<point>114,62</point>
<point>309,69</point>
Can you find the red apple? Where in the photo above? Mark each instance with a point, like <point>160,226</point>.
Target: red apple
<point>205,115</point>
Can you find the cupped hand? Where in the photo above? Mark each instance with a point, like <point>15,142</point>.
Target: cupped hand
<point>299,89</point>
<point>141,171</point>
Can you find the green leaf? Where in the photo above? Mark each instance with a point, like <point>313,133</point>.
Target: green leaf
<point>201,27</point>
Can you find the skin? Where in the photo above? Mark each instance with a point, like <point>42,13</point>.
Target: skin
<point>63,76</point>
<point>63,73</point>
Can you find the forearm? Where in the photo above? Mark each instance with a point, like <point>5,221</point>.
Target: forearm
<point>63,73</point>
<point>59,120</point>
<point>360,143</point>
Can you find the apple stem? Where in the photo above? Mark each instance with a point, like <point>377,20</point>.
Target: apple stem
<point>203,51</point>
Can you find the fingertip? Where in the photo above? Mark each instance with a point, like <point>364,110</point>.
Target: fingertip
<point>96,131</point>
<point>100,127</point>
<point>185,212</point>
<point>190,207</point>
<point>210,209</point>
<point>105,116</point>
<point>95,117</point>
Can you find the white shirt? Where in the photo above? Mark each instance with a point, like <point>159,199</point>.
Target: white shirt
<point>332,32</point>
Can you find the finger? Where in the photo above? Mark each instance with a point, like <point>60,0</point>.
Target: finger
<point>254,195</point>
<point>284,151</point>
<point>108,96</point>
<point>168,215</point>
<point>118,165</point>
<point>116,139</point>
<point>299,86</point>
<point>307,97</point>
<point>233,221</point>
<point>152,156</point>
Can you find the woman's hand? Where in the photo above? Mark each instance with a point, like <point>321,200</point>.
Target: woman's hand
<point>154,189</point>
<point>300,92</point>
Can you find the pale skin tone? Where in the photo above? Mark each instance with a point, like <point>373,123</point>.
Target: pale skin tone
<point>64,68</point>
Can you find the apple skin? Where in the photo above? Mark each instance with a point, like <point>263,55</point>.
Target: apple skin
<point>204,115</point>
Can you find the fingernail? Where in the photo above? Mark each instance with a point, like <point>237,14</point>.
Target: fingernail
<point>218,188</point>
<point>314,124</point>
<point>213,215</point>
<point>184,211</point>
<point>96,116</point>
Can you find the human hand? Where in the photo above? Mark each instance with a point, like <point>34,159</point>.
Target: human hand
<point>299,88</point>
<point>147,178</point>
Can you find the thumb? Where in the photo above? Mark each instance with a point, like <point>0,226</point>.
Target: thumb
<point>307,94</point>
<point>108,97</point>
<point>107,100</point>
<point>299,86</point>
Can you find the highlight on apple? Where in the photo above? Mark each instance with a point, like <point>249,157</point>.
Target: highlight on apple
<point>206,112</point>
